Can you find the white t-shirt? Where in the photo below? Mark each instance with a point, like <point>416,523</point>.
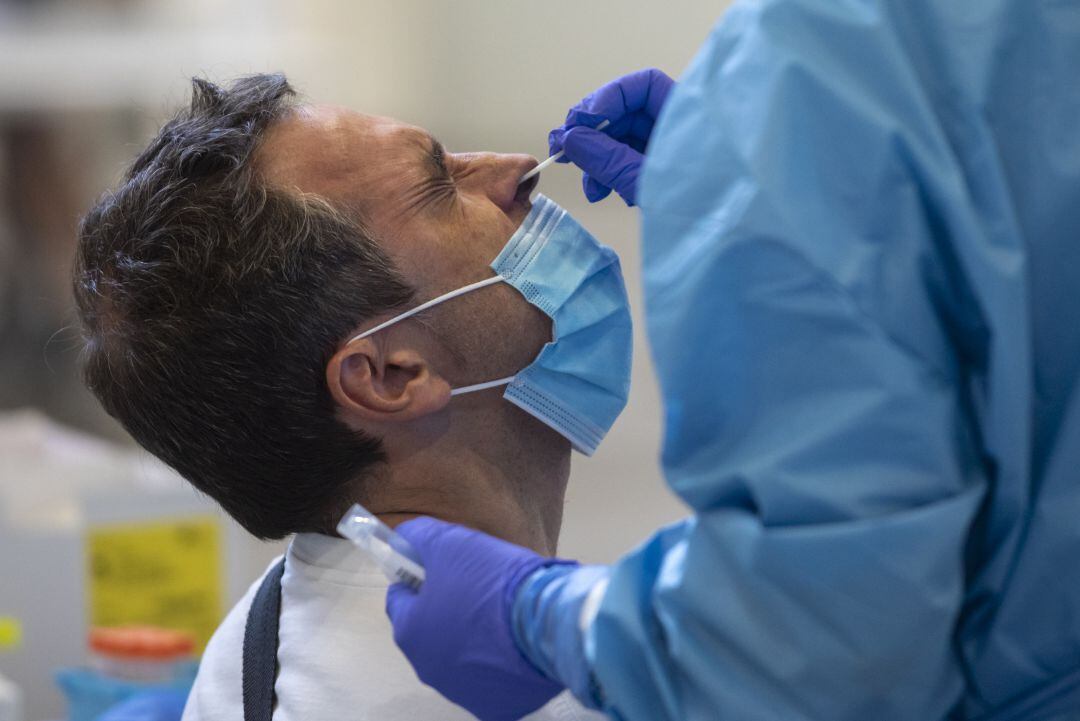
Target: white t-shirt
<point>336,655</point>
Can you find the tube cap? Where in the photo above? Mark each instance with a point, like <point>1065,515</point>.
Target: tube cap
<point>141,642</point>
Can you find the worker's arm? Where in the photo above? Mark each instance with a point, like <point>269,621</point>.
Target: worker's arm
<point>834,478</point>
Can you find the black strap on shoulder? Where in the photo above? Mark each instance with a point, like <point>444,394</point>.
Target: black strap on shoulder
<point>260,647</point>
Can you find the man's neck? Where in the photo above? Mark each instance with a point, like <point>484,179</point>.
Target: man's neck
<point>514,492</point>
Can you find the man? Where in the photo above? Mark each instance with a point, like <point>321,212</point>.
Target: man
<point>219,288</point>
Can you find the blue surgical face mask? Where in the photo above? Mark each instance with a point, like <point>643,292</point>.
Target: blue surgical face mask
<point>579,383</point>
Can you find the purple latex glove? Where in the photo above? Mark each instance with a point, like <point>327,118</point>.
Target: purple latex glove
<point>612,159</point>
<point>456,630</point>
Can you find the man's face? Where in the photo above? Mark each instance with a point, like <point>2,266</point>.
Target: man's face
<point>442,217</point>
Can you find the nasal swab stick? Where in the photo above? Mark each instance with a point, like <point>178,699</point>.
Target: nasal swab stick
<point>547,163</point>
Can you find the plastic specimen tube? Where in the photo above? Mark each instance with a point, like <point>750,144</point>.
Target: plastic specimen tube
<point>390,551</point>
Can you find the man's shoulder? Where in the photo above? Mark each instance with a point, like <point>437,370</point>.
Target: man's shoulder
<point>216,695</point>
<point>336,657</point>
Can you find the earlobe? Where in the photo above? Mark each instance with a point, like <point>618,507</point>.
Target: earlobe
<point>371,385</point>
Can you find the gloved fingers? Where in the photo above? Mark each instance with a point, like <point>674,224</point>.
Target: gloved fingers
<point>399,602</point>
<point>630,103</point>
<point>634,130</point>
<point>639,91</point>
<point>398,598</point>
<point>639,134</point>
<point>607,161</point>
<point>557,137</point>
<point>428,537</point>
<point>439,544</point>
<point>421,531</point>
<point>660,86</point>
<point>594,191</point>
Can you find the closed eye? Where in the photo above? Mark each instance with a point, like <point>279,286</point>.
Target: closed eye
<point>437,187</point>
<point>438,160</point>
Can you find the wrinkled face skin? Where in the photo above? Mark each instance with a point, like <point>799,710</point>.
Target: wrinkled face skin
<point>442,218</point>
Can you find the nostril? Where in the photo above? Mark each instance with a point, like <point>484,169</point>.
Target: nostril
<point>524,190</point>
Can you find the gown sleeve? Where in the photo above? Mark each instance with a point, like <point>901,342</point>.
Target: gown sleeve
<point>799,204</point>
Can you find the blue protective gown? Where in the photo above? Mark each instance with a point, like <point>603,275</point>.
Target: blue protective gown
<point>862,276</point>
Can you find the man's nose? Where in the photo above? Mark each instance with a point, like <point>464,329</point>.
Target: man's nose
<point>498,176</point>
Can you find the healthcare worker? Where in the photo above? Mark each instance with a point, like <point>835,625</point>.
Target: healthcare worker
<point>861,242</point>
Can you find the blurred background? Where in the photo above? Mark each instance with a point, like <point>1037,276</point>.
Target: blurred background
<point>93,532</point>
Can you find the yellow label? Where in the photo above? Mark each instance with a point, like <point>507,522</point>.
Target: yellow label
<point>165,573</point>
<point>10,633</point>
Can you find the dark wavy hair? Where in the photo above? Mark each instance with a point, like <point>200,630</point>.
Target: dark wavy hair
<point>210,304</point>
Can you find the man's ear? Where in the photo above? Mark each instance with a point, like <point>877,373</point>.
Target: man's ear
<point>372,384</point>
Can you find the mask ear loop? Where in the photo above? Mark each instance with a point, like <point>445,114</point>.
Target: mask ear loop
<point>482,386</point>
<point>430,304</point>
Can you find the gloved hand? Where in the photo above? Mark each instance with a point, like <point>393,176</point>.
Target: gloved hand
<point>456,630</point>
<point>612,158</point>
